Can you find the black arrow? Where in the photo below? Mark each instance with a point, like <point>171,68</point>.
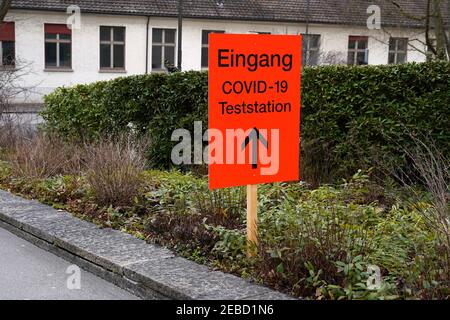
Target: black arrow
<point>255,136</point>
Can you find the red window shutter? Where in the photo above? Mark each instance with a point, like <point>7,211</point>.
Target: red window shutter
<point>57,29</point>
<point>7,31</point>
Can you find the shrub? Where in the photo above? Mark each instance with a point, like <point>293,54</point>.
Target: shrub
<point>113,170</point>
<point>60,190</point>
<point>225,207</point>
<point>180,193</point>
<point>363,113</point>
<point>431,169</point>
<point>155,104</point>
<point>42,156</point>
<point>350,116</point>
<point>319,243</point>
<point>320,230</point>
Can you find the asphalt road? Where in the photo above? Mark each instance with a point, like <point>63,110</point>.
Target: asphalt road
<point>30,273</point>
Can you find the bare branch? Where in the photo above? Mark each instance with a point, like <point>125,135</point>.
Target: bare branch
<point>435,22</point>
<point>405,13</point>
<point>11,84</point>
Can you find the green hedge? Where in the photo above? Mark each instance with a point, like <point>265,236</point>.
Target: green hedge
<point>155,104</point>
<point>350,115</point>
<point>356,117</point>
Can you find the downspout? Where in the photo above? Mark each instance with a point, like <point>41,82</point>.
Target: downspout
<point>305,50</point>
<point>147,45</point>
<point>180,34</point>
<point>308,3</point>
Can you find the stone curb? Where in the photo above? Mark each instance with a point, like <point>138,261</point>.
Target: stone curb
<point>149,271</point>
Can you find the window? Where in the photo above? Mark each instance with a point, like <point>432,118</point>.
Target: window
<point>58,46</point>
<point>163,49</point>
<point>398,49</point>
<point>7,44</point>
<point>311,48</point>
<point>205,46</point>
<point>358,51</point>
<point>112,48</point>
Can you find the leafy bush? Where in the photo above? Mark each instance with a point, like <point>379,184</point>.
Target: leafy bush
<point>319,243</point>
<point>155,104</point>
<point>351,115</point>
<point>60,189</point>
<point>224,207</point>
<point>432,170</point>
<point>182,209</point>
<point>358,115</point>
<point>317,228</point>
<point>314,243</point>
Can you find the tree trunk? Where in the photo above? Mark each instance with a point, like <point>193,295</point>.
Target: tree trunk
<point>4,7</point>
<point>438,26</point>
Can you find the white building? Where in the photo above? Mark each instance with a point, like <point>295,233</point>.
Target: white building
<point>64,46</point>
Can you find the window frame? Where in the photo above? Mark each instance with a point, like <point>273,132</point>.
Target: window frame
<point>13,64</point>
<point>396,51</point>
<point>260,32</point>
<point>58,42</point>
<point>356,50</point>
<point>163,46</point>
<point>306,52</point>
<point>206,46</point>
<point>111,43</point>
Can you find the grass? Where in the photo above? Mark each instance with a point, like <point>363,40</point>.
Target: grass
<point>113,170</point>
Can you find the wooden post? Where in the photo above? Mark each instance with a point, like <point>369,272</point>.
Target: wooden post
<point>252,219</point>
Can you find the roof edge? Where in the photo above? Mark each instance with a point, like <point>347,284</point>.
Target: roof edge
<point>220,18</point>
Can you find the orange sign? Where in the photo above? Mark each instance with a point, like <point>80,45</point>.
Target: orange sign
<point>254,109</point>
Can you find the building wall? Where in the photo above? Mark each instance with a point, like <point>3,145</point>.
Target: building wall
<point>334,39</point>
<point>85,44</point>
<point>85,49</point>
